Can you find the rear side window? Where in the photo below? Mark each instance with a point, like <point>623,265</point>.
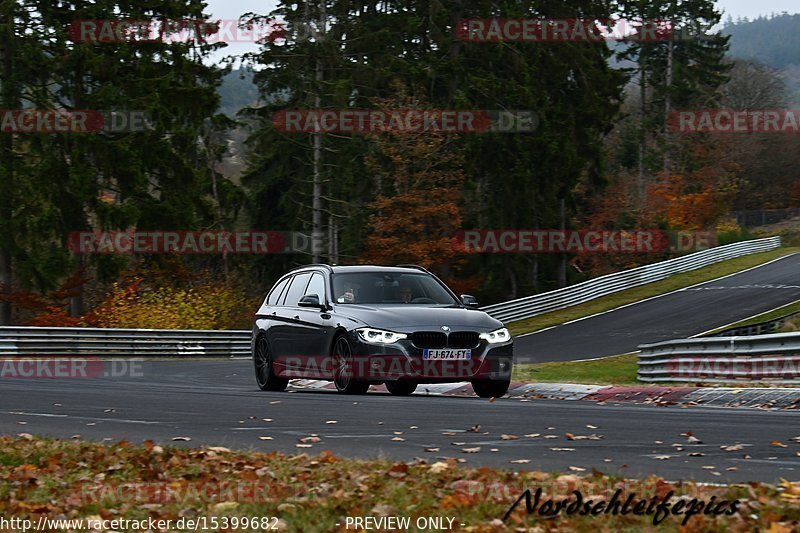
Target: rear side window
<point>276,292</point>
<point>296,289</point>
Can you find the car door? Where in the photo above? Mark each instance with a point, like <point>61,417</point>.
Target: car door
<point>283,333</point>
<point>316,331</point>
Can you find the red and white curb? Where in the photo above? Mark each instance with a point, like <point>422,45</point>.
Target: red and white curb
<point>763,398</point>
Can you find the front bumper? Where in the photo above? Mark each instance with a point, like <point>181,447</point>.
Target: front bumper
<point>404,360</point>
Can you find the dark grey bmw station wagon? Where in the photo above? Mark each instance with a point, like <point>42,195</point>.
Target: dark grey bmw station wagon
<point>363,325</point>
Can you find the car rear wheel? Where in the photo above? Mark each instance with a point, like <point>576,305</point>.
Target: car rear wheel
<point>401,387</point>
<point>265,375</point>
<point>491,388</point>
<point>343,369</point>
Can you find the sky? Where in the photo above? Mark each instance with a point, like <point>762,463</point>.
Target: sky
<point>227,9</point>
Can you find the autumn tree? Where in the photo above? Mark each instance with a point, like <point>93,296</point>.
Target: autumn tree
<point>418,177</point>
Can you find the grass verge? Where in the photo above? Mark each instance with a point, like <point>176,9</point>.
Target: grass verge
<point>82,480</point>
<point>656,288</point>
<point>617,370</point>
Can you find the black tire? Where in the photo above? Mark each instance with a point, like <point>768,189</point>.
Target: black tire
<point>491,388</point>
<point>402,387</point>
<point>262,361</point>
<point>343,368</point>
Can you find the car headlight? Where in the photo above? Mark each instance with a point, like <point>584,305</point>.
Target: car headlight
<point>499,335</point>
<point>379,336</point>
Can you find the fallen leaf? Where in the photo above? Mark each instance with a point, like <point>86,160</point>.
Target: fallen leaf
<point>439,467</point>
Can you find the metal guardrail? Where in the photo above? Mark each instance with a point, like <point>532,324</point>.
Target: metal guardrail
<point>760,328</point>
<point>774,358</point>
<point>107,342</point>
<point>579,293</point>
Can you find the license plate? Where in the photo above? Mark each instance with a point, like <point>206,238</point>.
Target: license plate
<point>446,354</point>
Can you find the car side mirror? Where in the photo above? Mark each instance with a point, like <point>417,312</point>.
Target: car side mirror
<point>310,300</point>
<point>469,300</point>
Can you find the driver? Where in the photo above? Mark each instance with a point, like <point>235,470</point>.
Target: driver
<point>405,294</point>
<point>349,294</point>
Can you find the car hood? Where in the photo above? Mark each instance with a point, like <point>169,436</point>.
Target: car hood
<point>405,318</point>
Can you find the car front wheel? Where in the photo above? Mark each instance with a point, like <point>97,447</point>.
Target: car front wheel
<point>265,375</point>
<point>401,387</point>
<point>344,368</point>
<point>491,388</point>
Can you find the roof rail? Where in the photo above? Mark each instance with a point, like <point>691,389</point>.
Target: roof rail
<point>322,265</point>
<point>414,266</point>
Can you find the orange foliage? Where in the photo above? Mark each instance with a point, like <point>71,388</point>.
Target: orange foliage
<point>416,211</point>
<point>51,309</point>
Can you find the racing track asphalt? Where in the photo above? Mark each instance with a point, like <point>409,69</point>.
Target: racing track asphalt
<point>217,403</point>
<point>676,315</point>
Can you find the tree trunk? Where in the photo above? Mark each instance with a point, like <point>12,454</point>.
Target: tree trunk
<point>8,100</point>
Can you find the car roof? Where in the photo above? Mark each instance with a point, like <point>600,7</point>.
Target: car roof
<point>342,269</point>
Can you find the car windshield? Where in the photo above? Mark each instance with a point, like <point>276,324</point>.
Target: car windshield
<point>389,288</point>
